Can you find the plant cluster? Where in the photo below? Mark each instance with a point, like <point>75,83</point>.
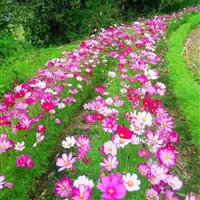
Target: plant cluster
<point>133,151</point>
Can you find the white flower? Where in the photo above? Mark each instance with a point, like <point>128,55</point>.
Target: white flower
<point>111,74</point>
<point>105,111</point>
<point>68,142</point>
<point>41,84</point>
<point>61,105</point>
<point>19,146</point>
<point>145,118</point>
<point>83,180</point>
<point>110,148</point>
<point>109,101</point>
<point>131,182</point>
<point>123,90</point>
<point>80,86</point>
<point>121,142</point>
<point>69,75</point>
<point>78,78</point>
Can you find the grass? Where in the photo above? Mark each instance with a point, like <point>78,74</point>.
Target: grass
<point>23,64</point>
<point>181,78</point>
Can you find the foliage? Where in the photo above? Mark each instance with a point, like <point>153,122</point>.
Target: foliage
<point>62,21</point>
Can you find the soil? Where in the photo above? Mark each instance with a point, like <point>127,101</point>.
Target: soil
<point>193,47</point>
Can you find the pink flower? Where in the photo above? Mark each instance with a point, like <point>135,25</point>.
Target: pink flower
<point>167,156</point>
<point>47,106</point>
<point>2,177</point>
<point>151,194</point>
<point>65,162</point>
<point>40,128</point>
<point>169,195</point>
<point>100,89</point>
<point>83,192</point>
<point>109,125</point>
<point>112,187</point>
<point>143,169</point>
<point>24,160</point>
<point>82,140</point>
<point>63,187</point>
<point>143,153</point>
<point>20,161</point>
<point>174,182</point>
<point>8,185</point>
<point>4,145</point>
<point>109,163</point>
<point>191,197</point>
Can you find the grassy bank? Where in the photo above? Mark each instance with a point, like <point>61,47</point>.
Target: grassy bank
<point>184,86</point>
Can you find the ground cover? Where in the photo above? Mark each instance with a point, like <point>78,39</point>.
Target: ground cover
<point>107,112</point>
<point>186,82</point>
<point>19,67</point>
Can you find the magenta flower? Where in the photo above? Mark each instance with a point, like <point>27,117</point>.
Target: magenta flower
<point>65,162</point>
<point>47,106</point>
<point>112,187</point>
<point>63,187</point>
<point>83,192</point>
<point>21,161</point>
<point>167,156</point>
<point>109,125</point>
<point>24,160</point>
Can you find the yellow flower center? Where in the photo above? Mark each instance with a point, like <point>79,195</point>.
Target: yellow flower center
<point>82,143</point>
<point>81,195</point>
<point>111,191</point>
<point>130,183</point>
<point>109,125</point>
<point>121,135</point>
<point>144,119</point>
<point>66,163</point>
<point>154,140</point>
<point>121,141</point>
<point>63,188</point>
<point>151,196</point>
<point>109,164</point>
<point>166,157</point>
<point>109,149</point>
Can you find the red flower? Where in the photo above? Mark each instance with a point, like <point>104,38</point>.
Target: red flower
<point>47,106</point>
<point>20,94</point>
<point>124,132</point>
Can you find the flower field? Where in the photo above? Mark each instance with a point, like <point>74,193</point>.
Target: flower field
<point>124,147</point>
